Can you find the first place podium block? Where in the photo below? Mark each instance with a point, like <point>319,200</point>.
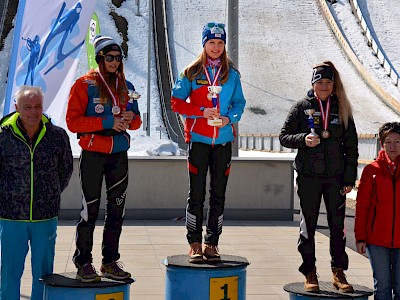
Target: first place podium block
<point>65,287</point>
<point>205,281</point>
<point>326,290</point>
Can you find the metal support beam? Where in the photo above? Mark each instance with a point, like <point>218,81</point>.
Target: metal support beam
<point>233,51</point>
<point>149,43</point>
<point>138,8</point>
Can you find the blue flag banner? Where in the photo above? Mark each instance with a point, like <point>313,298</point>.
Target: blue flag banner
<point>47,41</point>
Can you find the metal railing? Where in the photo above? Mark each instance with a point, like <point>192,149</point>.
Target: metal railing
<point>368,145</point>
<point>380,54</point>
<point>348,50</point>
<point>262,142</point>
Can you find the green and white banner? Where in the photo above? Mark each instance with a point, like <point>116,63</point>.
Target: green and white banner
<point>94,29</point>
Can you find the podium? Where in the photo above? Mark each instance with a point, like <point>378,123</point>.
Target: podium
<point>326,290</point>
<point>205,281</point>
<point>64,286</point>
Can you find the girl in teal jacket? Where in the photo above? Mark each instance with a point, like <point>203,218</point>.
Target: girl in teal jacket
<point>208,93</point>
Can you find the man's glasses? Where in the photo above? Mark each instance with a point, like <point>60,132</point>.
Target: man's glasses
<point>110,58</point>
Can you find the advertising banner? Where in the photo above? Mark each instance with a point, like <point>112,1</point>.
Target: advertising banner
<point>47,41</point>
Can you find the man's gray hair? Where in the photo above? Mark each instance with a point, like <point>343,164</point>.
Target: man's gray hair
<point>28,92</point>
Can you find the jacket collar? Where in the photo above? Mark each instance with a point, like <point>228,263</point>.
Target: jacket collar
<point>384,160</point>
<point>11,121</point>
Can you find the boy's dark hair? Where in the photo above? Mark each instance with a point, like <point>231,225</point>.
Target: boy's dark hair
<point>387,128</point>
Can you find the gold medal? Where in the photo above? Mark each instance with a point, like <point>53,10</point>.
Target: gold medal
<point>325,134</point>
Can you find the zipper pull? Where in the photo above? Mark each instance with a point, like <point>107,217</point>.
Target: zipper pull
<point>91,141</point>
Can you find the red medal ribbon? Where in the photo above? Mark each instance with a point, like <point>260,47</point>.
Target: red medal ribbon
<point>214,99</point>
<point>325,114</point>
<point>108,88</point>
<point>215,78</point>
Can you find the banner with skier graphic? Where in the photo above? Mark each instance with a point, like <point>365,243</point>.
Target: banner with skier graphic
<point>47,41</point>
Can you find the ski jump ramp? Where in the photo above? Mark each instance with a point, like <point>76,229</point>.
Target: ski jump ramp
<point>279,43</point>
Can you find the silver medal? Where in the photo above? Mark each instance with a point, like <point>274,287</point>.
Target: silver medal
<point>116,110</point>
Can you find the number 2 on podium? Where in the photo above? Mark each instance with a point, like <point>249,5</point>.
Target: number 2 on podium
<point>225,288</point>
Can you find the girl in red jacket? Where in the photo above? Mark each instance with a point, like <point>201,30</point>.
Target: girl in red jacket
<point>377,224</point>
<point>101,107</point>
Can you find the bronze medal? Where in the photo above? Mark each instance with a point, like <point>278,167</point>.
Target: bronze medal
<point>325,117</point>
<point>325,134</point>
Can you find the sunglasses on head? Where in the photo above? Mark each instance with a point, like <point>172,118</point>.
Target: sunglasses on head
<point>110,58</point>
<point>212,25</point>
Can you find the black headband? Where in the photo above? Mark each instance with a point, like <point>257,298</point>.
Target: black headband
<point>322,72</point>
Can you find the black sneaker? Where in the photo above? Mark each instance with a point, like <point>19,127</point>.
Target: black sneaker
<point>87,273</point>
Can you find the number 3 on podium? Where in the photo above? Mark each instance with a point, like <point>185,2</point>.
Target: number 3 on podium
<point>225,288</point>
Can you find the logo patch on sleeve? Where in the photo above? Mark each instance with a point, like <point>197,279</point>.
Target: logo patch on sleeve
<point>100,100</point>
<point>99,108</point>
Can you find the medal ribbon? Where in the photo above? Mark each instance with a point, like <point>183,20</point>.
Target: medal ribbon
<point>215,78</point>
<point>214,99</point>
<point>325,114</point>
<point>108,88</point>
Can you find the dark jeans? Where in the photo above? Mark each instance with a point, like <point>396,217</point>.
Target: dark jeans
<point>310,190</point>
<point>385,263</point>
<point>92,168</point>
<point>217,159</point>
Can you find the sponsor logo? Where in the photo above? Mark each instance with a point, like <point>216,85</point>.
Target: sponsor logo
<point>91,82</point>
<point>100,100</point>
<point>335,121</point>
<point>121,199</point>
<point>201,82</point>
<point>99,108</point>
<point>316,76</point>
